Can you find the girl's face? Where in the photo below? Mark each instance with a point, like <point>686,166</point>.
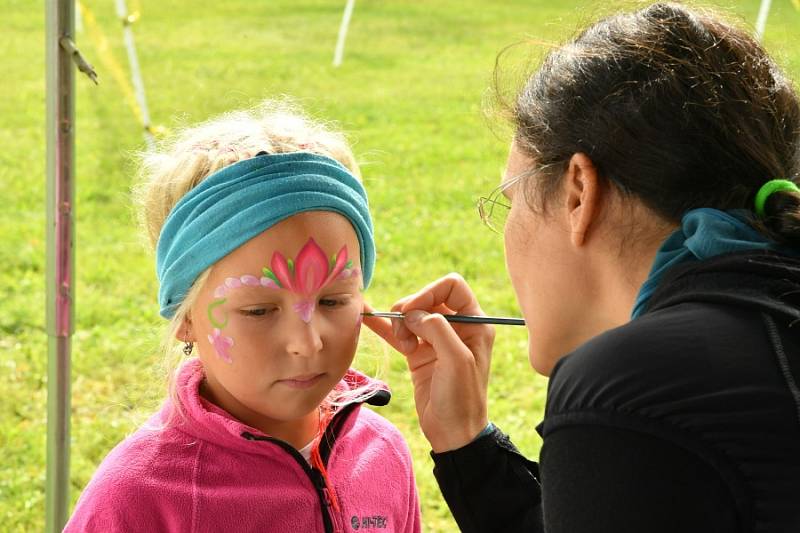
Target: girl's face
<point>278,320</point>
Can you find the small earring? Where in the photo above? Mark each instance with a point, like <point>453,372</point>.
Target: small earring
<point>187,348</point>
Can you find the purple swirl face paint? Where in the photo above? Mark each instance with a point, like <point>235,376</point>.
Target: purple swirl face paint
<point>306,275</point>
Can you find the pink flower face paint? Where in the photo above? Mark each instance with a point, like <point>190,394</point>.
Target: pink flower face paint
<point>309,273</point>
<point>222,345</point>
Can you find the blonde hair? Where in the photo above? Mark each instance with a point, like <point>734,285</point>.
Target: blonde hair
<point>179,164</point>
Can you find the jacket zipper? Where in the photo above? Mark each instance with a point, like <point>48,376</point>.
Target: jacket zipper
<point>334,520</point>
<point>330,519</point>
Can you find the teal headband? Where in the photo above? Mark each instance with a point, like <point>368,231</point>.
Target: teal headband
<point>769,188</point>
<point>239,202</point>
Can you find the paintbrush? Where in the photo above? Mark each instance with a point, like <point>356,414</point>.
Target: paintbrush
<point>466,319</point>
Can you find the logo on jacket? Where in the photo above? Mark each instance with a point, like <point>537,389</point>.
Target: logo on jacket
<point>369,522</point>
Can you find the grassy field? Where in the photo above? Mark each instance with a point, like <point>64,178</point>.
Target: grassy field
<point>409,94</point>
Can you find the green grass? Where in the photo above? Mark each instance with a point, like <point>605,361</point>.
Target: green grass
<point>409,95</point>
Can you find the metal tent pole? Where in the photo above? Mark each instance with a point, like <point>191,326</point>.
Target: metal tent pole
<point>60,52</point>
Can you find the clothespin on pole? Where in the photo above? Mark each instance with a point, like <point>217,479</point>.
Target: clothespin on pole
<point>83,65</point>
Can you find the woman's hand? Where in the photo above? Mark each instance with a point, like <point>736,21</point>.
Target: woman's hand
<point>449,362</point>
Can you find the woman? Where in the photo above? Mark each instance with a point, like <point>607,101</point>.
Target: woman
<point>656,264</point>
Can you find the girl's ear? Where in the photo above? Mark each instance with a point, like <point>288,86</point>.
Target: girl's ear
<point>185,332</point>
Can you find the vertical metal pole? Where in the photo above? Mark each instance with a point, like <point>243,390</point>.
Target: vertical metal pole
<point>338,54</point>
<point>60,17</point>
<point>761,21</point>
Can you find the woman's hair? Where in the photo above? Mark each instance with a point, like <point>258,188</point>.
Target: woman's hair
<point>674,107</point>
<point>195,152</point>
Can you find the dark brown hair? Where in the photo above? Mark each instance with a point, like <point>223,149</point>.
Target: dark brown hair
<point>674,107</point>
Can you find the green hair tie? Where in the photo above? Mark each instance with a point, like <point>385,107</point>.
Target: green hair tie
<point>770,187</point>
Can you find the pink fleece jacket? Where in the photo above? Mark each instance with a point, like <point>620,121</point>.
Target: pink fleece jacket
<point>213,473</point>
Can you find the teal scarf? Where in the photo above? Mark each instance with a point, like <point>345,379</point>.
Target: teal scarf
<point>704,233</point>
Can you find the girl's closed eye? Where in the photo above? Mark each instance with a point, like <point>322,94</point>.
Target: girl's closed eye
<point>259,311</point>
<point>334,301</point>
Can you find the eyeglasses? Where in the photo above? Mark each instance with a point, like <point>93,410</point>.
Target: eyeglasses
<point>494,209</point>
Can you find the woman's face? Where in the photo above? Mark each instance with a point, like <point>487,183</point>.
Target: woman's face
<point>545,271</point>
<point>278,320</point>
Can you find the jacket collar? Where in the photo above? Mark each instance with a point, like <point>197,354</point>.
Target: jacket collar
<point>202,419</point>
<point>764,280</point>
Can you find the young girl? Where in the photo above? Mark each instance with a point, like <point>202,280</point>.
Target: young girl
<point>263,243</point>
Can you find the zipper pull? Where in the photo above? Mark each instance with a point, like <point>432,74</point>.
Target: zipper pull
<point>335,518</point>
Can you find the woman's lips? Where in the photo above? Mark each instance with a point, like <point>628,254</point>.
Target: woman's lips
<point>302,382</point>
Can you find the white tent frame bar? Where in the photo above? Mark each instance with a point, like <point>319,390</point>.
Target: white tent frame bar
<point>761,21</point>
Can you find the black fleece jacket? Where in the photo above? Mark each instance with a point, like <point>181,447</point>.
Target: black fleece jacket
<point>686,419</point>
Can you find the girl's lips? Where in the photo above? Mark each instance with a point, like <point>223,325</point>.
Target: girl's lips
<point>302,382</point>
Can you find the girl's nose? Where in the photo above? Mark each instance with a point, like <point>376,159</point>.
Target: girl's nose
<point>303,338</point>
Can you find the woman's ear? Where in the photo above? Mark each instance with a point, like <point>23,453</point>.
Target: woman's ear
<point>582,197</point>
<point>185,332</point>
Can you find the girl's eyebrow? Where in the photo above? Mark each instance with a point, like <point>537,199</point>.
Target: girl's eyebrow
<point>350,280</point>
<point>245,290</point>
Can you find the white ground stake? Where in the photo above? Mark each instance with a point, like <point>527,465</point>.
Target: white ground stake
<point>136,73</point>
<point>339,53</point>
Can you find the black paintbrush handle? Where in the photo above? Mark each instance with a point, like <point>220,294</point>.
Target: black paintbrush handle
<point>464,319</point>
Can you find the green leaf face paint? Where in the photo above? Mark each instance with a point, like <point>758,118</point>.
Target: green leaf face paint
<point>213,305</point>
